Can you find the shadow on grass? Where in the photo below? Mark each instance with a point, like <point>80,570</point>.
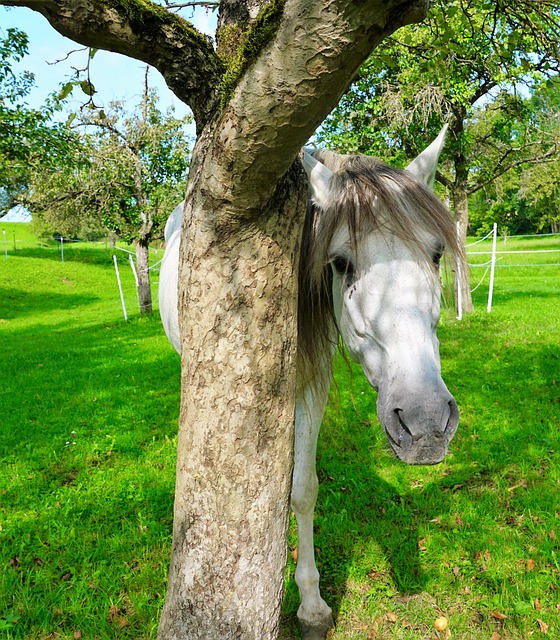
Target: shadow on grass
<point>87,254</point>
<point>87,466</point>
<point>120,391</point>
<point>107,377</point>
<point>15,303</point>
<point>508,437</point>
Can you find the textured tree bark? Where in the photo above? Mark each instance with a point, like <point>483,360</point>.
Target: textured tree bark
<point>460,200</point>
<point>238,287</point>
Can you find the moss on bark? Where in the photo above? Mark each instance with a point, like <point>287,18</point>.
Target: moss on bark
<point>238,49</point>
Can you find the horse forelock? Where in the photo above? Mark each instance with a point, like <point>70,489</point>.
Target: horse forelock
<point>367,195</point>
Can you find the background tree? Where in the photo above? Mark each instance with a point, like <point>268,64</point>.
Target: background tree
<point>25,134</point>
<point>126,175</point>
<point>466,65</point>
<point>525,199</point>
<point>280,66</point>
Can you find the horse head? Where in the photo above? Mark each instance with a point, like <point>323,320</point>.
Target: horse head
<point>382,233</point>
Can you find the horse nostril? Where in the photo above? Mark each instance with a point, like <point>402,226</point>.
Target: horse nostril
<point>403,424</point>
<point>453,418</point>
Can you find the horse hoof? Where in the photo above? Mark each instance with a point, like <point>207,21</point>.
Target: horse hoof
<point>316,631</point>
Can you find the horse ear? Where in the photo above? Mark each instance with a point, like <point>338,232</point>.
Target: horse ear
<point>319,180</point>
<point>424,166</point>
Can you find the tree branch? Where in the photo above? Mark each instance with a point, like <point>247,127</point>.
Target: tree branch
<point>550,156</point>
<point>145,31</point>
<point>291,87</point>
<point>444,180</point>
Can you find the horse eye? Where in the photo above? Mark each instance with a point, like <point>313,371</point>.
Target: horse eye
<point>343,266</point>
<point>436,258</point>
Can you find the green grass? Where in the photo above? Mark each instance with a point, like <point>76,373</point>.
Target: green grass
<point>89,407</point>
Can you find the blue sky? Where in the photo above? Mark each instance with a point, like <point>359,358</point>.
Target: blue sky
<point>115,77</point>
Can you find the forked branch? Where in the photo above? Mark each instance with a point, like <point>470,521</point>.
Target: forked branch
<point>146,31</point>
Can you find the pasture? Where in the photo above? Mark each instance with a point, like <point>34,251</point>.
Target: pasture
<point>88,411</point>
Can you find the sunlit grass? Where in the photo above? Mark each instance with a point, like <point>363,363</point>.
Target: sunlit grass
<point>89,407</point>
<point>476,538</point>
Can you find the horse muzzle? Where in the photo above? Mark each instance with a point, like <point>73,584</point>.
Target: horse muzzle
<point>420,431</point>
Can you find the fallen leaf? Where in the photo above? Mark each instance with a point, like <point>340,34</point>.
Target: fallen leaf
<point>498,615</point>
<point>77,634</point>
<point>530,565</point>
<point>14,562</point>
<point>422,545</point>
<point>543,626</point>
<point>391,617</point>
<point>537,604</point>
<point>113,614</point>
<point>456,571</point>
<point>495,636</point>
<point>295,554</point>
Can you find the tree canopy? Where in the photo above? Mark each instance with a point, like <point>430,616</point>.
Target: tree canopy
<point>473,65</point>
<point>26,134</point>
<point>125,173</point>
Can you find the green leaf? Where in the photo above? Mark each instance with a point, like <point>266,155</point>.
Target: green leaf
<point>87,87</point>
<point>523,608</point>
<point>65,91</point>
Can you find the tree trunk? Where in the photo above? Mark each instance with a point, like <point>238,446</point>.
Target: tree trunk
<point>235,449</point>
<point>143,274</point>
<point>461,214</point>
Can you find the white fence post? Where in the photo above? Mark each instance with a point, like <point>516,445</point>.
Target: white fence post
<point>120,287</point>
<point>5,245</point>
<point>62,248</point>
<point>133,267</point>
<point>492,269</point>
<point>459,300</point>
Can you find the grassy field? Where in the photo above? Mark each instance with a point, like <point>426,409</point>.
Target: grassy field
<point>89,406</point>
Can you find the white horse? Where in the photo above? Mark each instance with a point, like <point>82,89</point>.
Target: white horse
<point>372,242</point>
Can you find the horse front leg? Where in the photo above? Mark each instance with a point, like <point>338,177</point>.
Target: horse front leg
<point>315,616</point>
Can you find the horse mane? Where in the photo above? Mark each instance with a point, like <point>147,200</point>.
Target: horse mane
<point>367,195</point>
